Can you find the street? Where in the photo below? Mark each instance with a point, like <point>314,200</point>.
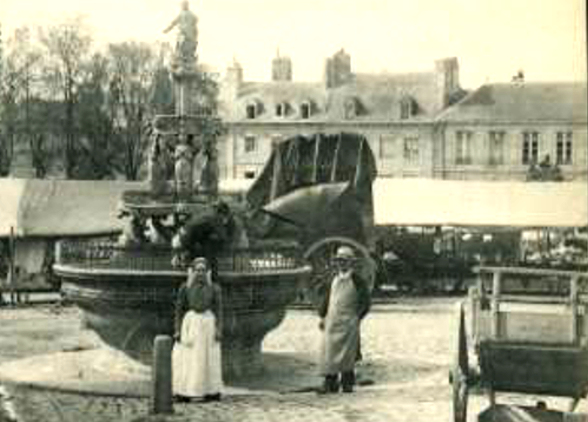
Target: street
<point>407,347</point>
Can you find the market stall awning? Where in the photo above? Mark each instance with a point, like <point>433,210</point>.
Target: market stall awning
<point>55,208</point>
<point>430,202</point>
<point>48,208</point>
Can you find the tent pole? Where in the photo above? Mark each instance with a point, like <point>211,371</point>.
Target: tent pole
<point>11,280</point>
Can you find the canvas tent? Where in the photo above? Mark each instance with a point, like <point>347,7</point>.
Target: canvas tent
<point>432,202</point>
<point>38,211</point>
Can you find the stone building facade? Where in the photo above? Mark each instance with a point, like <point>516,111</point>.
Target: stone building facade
<point>418,124</point>
<point>499,130</point>
<point>396,113</point>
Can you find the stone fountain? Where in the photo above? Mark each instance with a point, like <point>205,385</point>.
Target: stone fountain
<point>126,287</point>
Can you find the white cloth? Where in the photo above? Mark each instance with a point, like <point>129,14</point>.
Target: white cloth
<point>196,359</point>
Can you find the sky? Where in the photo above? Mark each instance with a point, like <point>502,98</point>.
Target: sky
<point>492,39</point>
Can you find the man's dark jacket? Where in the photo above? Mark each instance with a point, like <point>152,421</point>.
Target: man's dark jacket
<point>364,299</point>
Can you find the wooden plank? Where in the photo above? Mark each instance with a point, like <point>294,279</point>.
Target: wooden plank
<point>574,326</point>
<point>496,305</point>
<point>317,149</point>
<point>552,370</point>
<point>531,271</point>
<point>525,327</point>
<point>530,327</point>
<point>336,158</point>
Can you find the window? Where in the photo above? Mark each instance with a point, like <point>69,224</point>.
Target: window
<point>407,108</point>
<point>496,147</point>
<point>282,109</point>
<point>463,147</point>
<point>411,150</point>
<point>564,148</point>
<point>351,107</point>
<point>305,110</point>
<point>250,144</point>
<point>251,111</point>
<point>530,147</point>
<point>249,174</point>
<point>387,146</point>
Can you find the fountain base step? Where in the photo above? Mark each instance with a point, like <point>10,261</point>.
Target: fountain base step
<point>110,372</point>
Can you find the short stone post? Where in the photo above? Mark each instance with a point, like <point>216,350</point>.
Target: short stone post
<point>161,394</point>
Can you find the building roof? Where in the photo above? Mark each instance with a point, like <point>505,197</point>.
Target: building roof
<point>522,102</point>
<point>52,208</point>
<point>269,94</point>
<point>434,202</point>
<point>378,97</point>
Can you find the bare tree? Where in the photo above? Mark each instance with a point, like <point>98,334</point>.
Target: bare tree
<point>8,109</point>
<point>19,67</point>
<point>99,143</point>
<point>67,45</point>
<point>133,69</point>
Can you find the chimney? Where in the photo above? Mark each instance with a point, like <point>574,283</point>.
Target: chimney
<point>281,68</point>
<point>447,80</point>
<point>338,69</point>
<point>233,80</point>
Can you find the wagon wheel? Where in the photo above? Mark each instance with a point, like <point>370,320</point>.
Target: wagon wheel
<point>459,372</point>
<point>321,253</point>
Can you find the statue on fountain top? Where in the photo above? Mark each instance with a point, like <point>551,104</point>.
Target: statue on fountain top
<point>187,39</point>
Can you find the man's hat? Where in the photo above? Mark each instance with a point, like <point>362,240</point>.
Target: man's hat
<point>345,253</point>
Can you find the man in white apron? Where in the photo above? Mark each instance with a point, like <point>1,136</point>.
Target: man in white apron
<point>346,300</point>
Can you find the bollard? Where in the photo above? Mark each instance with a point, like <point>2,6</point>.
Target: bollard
<point>161,373</point>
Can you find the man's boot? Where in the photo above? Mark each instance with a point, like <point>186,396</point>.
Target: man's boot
<point>330,385</point>
<point>348,381</point>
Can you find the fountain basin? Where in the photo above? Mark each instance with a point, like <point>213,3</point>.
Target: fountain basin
<point>127,296</point>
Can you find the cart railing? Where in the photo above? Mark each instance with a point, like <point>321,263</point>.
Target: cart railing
<point>522,305</point>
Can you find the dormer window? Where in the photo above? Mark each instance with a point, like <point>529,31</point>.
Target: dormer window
<point>305,110</point>
<point>408,107</point>
<point>351,108</point>
<point>253,109</point>
<point>282,109</point>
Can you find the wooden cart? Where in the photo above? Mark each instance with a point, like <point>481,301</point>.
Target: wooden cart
<point>528,333</point>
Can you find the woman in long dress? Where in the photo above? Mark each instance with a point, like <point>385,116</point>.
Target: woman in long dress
<point>196,357</point>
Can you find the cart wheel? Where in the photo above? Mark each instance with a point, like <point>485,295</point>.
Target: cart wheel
<point>459,373</point>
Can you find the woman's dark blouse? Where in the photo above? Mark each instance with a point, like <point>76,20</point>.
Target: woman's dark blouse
<point>198,298</point>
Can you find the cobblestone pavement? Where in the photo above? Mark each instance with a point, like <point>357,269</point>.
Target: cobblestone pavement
<point>407,348</point>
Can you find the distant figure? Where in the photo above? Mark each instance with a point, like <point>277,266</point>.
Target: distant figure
<point>345,302</point>
<point>157,167</point>
<point>196,357</point>
<point>533,173</point>
<point>184,157</point>
<point>209,175</point>
<point>187,38</point>
<point>209,233</point>
<point>545,164</point>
